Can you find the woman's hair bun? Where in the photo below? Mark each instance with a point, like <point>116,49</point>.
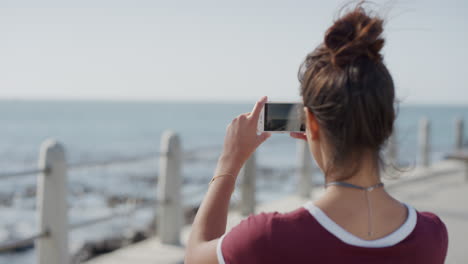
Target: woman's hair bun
<point>354,35</point>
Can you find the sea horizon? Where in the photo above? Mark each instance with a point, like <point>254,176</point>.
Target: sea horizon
<point>206,101</point>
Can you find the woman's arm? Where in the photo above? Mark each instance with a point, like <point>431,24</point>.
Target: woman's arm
<point>210,222</point>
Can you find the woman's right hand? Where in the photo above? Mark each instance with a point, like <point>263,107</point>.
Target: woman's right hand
<point>241,140</point>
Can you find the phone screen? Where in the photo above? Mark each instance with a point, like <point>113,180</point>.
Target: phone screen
<point>283,117</point>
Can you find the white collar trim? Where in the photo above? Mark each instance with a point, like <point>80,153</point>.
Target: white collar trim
<point>219,251</point>
<point>392,239</point>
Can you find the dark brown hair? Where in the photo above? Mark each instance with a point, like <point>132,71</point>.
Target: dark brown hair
<point>348,88</point>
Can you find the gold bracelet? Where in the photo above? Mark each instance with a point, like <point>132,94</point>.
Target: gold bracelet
<point>219,176</point>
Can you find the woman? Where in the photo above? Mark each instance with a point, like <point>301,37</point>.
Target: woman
<point>348,95</point>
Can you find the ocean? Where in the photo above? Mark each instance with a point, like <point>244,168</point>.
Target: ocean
<point>99,131</point>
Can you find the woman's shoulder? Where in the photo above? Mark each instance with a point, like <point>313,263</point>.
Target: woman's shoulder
<point>429,217</point>
<point>278,221</point>
<point>251,240</point>
<point>262,224</point>
<point>430,221</point>
<point>277,217</point>
<point>265,221</point>
<point>432,230</point>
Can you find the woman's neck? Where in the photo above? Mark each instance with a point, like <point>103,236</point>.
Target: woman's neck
<point>342,198</point>
<point>366,175</point>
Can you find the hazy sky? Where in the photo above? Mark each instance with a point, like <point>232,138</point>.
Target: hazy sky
<point>213,50</point>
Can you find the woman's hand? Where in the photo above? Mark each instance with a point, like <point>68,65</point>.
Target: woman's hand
<point>210,222</point>
<point>241,140</point>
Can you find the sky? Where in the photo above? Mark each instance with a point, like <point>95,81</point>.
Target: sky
<point>212,50</point>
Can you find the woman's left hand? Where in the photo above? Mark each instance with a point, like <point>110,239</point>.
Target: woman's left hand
<point>241,140</point>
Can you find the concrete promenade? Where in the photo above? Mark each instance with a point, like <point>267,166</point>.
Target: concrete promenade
<point>441,188</point>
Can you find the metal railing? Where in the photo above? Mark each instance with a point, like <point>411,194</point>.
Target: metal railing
<point>29,240</point>
<point>51,241</point>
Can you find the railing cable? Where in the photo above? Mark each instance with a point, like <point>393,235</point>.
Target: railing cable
<point>6,175</point>
<point>103,163</point>
<point>10,245</point>
<point>108,217</point>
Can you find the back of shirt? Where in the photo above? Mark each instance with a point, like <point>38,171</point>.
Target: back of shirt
<point>307,235</point>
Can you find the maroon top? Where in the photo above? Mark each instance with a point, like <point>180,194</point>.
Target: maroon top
<point>302,237</point>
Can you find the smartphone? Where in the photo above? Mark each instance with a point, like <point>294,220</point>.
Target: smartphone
<point>281,117</point>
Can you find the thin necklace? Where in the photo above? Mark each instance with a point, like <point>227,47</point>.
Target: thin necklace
<point>366,191</point>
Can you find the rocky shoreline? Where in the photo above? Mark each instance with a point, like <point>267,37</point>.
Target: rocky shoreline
<point>92,249</point>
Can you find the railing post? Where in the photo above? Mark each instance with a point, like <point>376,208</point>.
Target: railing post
<point>52,205</point>
<point>248,175</point>
<point>305,169</point>
<point>169,219</point>
<point>424,142</point>
<point>459,134</point>
<point>392,151</point>
<point>466,171</point>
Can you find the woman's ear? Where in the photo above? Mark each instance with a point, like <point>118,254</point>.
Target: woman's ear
<point>312,124</point>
